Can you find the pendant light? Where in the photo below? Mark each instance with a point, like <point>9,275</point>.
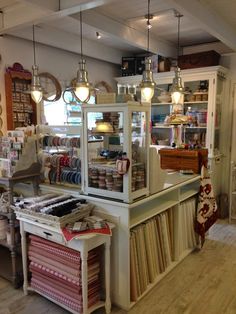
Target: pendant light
<point>82,87</point>
<point>35,88</point>
<point>177,89</point>
<point>147,85</point>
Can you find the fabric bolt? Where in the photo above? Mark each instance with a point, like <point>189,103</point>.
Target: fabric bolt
<point>55,273</point>
<point>72,282</point>
<point>41,258</point>
<point>61,286</point>
<point>60,298</point>
<point>93,287</point>
<point>68,253</point>
<point>56,253</point>
<point>52,293</point>
<point>59,250</point>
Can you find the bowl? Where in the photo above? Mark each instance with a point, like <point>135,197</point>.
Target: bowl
<point>164,98</point>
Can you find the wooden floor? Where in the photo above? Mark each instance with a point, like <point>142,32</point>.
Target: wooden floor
<point>204,283</point>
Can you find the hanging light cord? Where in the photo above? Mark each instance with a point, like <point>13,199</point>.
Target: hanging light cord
<point>178,37</point>
<point>148,30</point>
<point>81,39</point>
<point>34,47</point>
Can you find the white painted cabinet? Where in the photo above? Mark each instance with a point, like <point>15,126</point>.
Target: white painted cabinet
<point>208,104</point>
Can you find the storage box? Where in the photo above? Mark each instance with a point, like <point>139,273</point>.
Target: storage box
<point>128,66</point>
<point>198,60</point>
<point>106,98</point>
<point>183,159</point>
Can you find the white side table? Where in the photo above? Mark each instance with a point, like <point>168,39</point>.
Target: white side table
<point>83,245</point>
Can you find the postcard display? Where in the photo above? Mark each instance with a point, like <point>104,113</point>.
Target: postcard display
<point>119,169</point>
<point>18,163</point>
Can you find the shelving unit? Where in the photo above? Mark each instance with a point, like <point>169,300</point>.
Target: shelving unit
<point>177,189</point>
<point>21,110</point>
<point>32,175</point>
<point>212,124</point>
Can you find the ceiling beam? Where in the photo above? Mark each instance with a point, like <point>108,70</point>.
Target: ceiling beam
<point>210,20</point>
<point>127,33</point>
<point>58,38</point>
<point>27,12</point>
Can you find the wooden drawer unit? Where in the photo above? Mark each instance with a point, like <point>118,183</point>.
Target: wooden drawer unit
<point>181,159</point>
<point>46,233</point>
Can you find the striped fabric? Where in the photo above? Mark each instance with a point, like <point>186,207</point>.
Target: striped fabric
<point>56,273</point>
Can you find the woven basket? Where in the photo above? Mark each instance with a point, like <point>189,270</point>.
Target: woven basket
<point>54,221</point>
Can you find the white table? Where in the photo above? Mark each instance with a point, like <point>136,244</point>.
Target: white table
<point>83,245</point>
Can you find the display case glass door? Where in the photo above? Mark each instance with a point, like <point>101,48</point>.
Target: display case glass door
<point>116,150</point>
<point>196,108</point>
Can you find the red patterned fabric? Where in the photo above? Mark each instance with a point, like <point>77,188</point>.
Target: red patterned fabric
<point>35,266</point>
<point>50,260</point>
<point>207,212</point>
<point>56,273</point>
<point>56,248</point>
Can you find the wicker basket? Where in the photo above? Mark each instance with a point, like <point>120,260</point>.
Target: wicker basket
<point>54,221</point>
<point>181,159</point>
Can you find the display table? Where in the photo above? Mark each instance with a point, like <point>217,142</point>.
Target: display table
<point>83,245</point>
<point>177,189</point>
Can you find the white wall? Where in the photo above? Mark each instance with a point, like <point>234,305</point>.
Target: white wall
<point>60,63</point>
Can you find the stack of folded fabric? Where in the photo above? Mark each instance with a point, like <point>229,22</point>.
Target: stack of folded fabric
<point>56,273</point>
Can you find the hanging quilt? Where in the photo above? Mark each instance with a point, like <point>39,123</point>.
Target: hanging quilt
<point>207,212</point>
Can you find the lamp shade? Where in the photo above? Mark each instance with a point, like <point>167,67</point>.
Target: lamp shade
<point>177,89</point>
<point>147,85</point>
<point>36,89</point>
<point>82,87</point>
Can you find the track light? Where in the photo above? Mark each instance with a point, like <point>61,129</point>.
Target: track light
<point>98,35</point>
<point>149,25</point>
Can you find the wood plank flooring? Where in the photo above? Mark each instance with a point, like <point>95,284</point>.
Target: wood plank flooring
<point>203,283</point>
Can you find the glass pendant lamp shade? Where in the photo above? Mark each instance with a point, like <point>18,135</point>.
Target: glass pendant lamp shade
<point>147,85</point>
<point>36,89</point>
<point>82,88</point>
<point>177,88</point>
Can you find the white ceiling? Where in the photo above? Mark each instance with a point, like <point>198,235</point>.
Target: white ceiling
<point>121,24</point>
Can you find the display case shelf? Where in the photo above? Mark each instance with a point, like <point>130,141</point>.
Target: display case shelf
<point>138,216</point>
<point>196,102</point>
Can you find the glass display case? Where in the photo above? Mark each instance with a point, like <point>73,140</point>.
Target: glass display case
<point>119,167</point>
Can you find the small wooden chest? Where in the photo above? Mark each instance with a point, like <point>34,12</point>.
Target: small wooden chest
<point>198,60</point>
<point>183,159</point>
